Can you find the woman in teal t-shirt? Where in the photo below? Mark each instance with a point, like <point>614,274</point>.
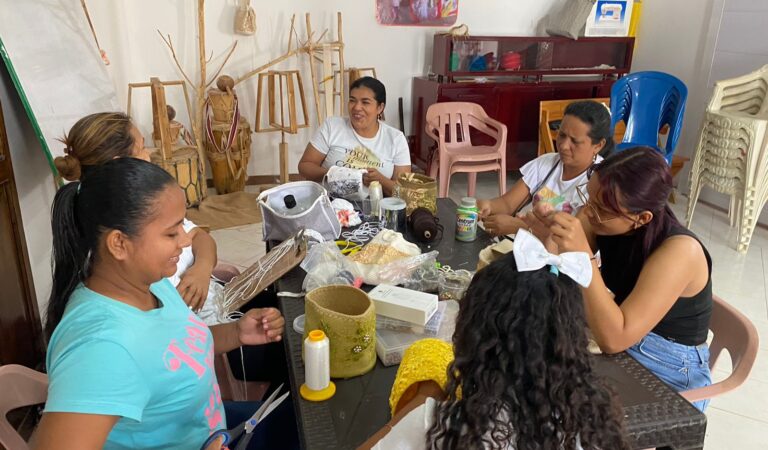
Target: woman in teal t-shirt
<point>130,365</point>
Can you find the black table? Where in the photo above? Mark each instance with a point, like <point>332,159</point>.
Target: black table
<point>656,416</point>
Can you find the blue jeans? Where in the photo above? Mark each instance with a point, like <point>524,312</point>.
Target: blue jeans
<point>682,367</point>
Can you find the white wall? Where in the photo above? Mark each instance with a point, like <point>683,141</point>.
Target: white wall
<point>672,38</point>
<point>718,39</point>
<point>34,184</point>
<point>127,31</point>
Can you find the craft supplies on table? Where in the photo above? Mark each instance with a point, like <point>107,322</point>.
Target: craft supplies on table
<point>390,344</point>
<point>348,317</point>
<point>317,368</point>
<point>404,304</point>
<point>393,214</point>
<point>375,194</point>
<point>466,220</point>
<point>453,284</point>
<point>428,330</point>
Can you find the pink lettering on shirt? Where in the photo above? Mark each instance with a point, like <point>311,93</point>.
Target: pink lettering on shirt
<point>174,357</point>
<point>179,354</point>
<point>212,412</point>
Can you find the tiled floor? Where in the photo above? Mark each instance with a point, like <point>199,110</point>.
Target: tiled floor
<point>737,420</point>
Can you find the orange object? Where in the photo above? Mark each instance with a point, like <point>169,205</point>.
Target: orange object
<point>448,124</point>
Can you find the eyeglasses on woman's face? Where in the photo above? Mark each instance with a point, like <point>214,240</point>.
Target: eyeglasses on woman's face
<point>601,214</point>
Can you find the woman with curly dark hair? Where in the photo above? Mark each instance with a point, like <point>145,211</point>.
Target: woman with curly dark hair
<point>522,377</point>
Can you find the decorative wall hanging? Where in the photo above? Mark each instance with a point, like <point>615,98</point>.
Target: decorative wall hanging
<point>245,18</point>
<point>433,13</point>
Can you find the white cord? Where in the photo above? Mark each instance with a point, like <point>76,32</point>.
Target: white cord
<point>239,290</point>
<point>363,233</point>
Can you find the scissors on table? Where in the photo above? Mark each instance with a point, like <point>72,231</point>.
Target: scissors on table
<point>223,437</point>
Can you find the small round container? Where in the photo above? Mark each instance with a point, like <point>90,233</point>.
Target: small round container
<point>393,214</point>
<point>453,285</point>
<point>466,220</point>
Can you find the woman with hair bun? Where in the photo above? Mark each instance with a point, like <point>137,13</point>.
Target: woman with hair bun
<point>101,137</point>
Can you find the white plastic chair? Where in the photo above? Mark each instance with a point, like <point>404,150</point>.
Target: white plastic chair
<point>732,154</point>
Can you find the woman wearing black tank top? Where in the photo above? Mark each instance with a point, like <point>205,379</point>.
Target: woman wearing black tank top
<point>652,296</point>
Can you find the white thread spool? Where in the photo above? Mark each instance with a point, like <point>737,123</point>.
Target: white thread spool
<point>376,194</point>
<point>317,368</point>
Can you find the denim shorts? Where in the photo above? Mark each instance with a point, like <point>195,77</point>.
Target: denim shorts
<point>682,367</point>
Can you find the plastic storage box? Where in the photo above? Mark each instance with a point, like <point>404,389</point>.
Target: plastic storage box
<point>391,344</point>
<point>428,330</point>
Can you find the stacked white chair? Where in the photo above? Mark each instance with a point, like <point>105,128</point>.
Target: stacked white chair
<point>732,154</point>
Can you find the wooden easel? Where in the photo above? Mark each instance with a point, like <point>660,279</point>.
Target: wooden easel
<point>289,81</point>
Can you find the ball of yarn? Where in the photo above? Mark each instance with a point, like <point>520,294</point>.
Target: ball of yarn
<point>424,225</point>
<point>170,111</point>
<point>225,83</point>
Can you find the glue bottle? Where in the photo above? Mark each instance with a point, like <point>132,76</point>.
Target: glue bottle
<point>466,220</point>
<point>317,368</point>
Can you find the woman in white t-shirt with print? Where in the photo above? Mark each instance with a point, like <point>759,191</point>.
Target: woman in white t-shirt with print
<point>585,133</point>
<point>360,141</point>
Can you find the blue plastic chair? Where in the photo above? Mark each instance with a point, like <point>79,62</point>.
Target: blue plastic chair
<point>646,101</point>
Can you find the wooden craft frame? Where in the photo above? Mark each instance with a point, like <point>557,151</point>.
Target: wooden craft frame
<point>281,267</point>
<point>289,80</point>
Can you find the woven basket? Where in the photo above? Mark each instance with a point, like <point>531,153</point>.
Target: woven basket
<point>418,191</point>
<point>347,316</point>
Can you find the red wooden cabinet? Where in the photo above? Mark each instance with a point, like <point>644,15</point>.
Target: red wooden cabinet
<point>509,76</point>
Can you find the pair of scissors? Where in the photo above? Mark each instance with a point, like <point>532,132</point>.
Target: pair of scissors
<point>223,437</point>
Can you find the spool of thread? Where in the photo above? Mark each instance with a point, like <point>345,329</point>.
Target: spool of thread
<point>424,226</point>
<point>376,194</point>
<point>317,368</point>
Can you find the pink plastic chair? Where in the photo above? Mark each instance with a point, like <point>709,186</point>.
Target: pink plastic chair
<point>21,386</point>
<point>735,333</point>
<point>449,125</point>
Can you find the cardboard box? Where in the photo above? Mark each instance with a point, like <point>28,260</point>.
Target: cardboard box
<point>404,304</point>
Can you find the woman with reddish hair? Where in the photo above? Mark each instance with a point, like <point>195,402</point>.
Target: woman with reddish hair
<point>652,294</point>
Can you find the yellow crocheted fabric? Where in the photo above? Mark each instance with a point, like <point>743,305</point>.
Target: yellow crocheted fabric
<point>424,360</point>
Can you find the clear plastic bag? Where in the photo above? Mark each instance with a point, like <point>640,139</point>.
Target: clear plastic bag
<point>401,270</point>
<point>325,265</point>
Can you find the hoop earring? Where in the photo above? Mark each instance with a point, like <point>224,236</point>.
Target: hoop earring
<point>594,158</point>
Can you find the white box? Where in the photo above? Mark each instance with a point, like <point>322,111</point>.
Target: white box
<point>404,304</point>
<point>609,18</point>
